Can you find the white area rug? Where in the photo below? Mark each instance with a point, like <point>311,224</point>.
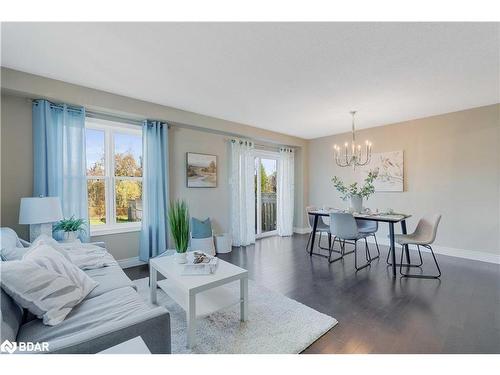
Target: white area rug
<point>276,324</point>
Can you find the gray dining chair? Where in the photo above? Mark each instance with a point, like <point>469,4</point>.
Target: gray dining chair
<point>424,235</point>
<point>370,227</point>
<point>343,228</point>
<point>321,228</point>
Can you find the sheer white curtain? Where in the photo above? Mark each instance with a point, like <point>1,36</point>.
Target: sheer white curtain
<point>241,182</point>
<point>285,191</point>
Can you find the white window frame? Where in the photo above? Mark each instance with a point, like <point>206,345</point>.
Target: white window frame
<point>110,128</point>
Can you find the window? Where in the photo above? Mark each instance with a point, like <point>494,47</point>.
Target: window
<point>114,176</point>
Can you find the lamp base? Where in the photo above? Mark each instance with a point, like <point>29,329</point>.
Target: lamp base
<point>38,229</point>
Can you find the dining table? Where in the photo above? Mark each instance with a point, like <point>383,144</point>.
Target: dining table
<point>390,218</point>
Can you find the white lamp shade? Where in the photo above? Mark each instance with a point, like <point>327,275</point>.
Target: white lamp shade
<point>40,210</point>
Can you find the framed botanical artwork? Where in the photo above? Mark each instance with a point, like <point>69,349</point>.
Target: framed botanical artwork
<point>201,170</point>
<point>389,166</point>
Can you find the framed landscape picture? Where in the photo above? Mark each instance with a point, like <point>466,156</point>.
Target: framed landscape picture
<point>201,170</point>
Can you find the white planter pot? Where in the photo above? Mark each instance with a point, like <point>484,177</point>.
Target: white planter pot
<point>223,243</point>
<point>356,203</point>
<point>70,236</point>
<point>181,258</point>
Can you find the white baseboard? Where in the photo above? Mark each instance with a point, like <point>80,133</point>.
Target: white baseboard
<point>130,262</point>
<point>301,230</point>
<point>481,256</point>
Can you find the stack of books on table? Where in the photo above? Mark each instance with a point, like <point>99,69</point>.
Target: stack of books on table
<point>207,266</point>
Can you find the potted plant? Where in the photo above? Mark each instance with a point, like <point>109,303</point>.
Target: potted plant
<point>354,192</point>
<point>178,219</point>
<point>71,228</point>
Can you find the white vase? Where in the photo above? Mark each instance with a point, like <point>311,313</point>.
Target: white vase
<point>357,203</point>
<point>181,258</point>
<point>70,236</point>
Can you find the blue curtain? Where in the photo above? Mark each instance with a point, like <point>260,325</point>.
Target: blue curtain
<point>154,189</point>
<point>59,168</point>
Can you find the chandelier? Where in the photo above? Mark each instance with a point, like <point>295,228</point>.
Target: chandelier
<point>353,155</point>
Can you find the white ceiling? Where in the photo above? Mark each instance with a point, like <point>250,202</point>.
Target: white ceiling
<point>300,79</point>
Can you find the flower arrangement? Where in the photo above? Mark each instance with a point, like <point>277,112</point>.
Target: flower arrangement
<point>353,190</point>
<point>178,218</point>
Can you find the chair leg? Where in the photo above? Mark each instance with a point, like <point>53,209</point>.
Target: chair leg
<point>308,242</point>
<point>376,244</point>
<point>401,261</point>
<point>367,252</point>
<point>349,252</point>
<point>330,260</point>
<point>319,245</point>
<point>329,242</point>
<point>356,258</point>
<point>421,276</point>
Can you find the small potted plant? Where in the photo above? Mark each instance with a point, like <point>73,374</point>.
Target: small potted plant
<point>178,219</point>
<point>354,192</point>
<point>71,228</point>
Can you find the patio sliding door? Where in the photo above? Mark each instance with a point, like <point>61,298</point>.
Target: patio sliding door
<point>266,173</point>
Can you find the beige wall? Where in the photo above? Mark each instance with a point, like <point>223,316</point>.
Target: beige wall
<point>17,158</point>
<point>451,166</point>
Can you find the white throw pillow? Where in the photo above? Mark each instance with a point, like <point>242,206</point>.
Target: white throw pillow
<point>13,253</point>
<point>47,240</point>
<point>89,257</point>
<point>44,293</point>
<point>10,246</point>
<point>47,257</point>
<point>84,256</point>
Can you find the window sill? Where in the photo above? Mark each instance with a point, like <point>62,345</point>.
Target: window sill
<point>96,232</point>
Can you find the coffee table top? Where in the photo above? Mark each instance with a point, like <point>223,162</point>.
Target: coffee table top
<point>225,273</point>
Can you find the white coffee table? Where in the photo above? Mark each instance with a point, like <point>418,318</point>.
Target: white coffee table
<point>132,346</point>
<point>199,295</point>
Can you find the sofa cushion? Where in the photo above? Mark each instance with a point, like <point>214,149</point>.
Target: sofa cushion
<point>11,315</point>
<point>111,307</point>
<point>109,278</point>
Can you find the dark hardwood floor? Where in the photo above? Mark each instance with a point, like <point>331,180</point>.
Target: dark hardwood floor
<point>378,314</point>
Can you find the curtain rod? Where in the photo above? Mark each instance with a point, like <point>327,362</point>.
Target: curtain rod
<point>110,117</point>
<point>132,121</point>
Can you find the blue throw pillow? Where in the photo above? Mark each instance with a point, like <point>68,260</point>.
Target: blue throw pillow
<point>201,229</point>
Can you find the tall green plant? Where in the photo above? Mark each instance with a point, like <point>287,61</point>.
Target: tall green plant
<point>353,190</point>
<point>178,219</point>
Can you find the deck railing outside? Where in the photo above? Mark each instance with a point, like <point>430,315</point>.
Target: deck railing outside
<point>268,212</point>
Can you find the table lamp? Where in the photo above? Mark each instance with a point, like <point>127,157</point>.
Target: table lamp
<point>40,213</point>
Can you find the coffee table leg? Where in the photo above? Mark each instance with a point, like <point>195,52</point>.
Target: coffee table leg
<point>244,299</point>
<point>191,320</point>
<point>152,284</point>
